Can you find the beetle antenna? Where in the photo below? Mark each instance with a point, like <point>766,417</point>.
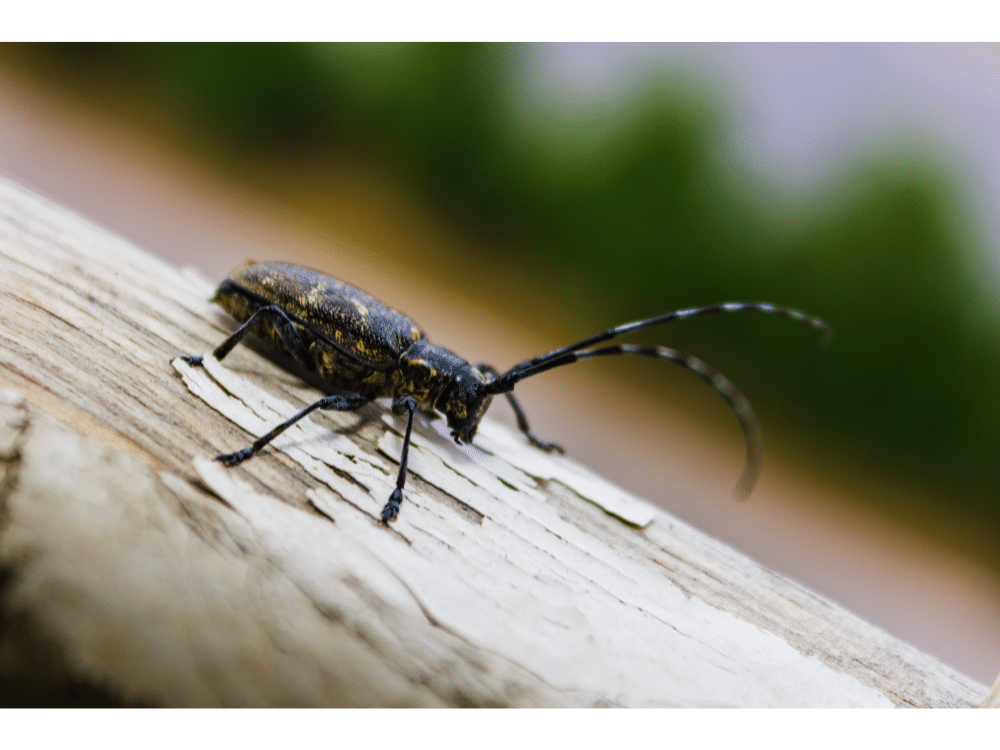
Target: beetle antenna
<point>719,382</point>
<point>505,383</point>
<point>737,401</point>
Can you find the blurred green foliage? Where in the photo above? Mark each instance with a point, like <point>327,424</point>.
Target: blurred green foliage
<point>625,206</point>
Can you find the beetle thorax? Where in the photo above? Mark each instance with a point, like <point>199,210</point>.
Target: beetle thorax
<point>441,380</point>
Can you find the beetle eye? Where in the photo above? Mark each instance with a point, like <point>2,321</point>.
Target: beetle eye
<point>468,389</point>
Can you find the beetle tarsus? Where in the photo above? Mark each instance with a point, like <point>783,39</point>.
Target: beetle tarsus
<point>545,446</point>
<point>233,459</point>
<point>391,509</point>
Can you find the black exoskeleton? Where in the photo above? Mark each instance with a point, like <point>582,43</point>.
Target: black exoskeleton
<point>356,344</point>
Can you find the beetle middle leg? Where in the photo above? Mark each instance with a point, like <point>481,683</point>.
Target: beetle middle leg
<point>328,403</point>
<point>522,419</point>
<point>400,406</point>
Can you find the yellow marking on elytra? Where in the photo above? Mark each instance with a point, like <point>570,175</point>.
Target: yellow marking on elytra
<point>316,293</point>
<point>361,349</point>
<point>414,333</point>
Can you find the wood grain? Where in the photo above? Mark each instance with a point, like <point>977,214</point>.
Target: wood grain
<point>136,570</point>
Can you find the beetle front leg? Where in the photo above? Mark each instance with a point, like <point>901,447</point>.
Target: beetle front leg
<point>522,419</point>
<point>400,406</point>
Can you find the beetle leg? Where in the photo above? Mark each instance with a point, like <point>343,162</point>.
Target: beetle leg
<point>522,425</point>
<point>328,403</point>
<point>522,419</point>
<point>282,324</point>
<point>400,406</point>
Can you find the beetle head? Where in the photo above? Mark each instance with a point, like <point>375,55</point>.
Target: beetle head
<point>465,403</point>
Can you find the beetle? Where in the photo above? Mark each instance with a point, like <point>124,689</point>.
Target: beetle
<point>367,350</point>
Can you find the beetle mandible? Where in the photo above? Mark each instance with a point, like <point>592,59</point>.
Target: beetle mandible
<point>356,344</point>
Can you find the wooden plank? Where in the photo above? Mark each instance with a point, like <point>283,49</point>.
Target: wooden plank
<point>153,574</point>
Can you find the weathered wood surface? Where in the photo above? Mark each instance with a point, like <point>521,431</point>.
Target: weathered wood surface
<point>137,570</point>
<point>993,700</point>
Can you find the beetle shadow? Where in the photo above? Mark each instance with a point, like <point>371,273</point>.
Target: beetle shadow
<point>437,431</point>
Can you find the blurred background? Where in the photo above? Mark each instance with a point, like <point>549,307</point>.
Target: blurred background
<point>512,199</point>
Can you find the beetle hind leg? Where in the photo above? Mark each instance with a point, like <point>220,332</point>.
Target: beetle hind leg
<point>282,324</point>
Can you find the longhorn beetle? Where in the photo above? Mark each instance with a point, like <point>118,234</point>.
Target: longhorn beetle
<point>356,344</point>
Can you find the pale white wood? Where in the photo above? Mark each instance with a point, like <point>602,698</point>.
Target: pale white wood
<point>512,577</point>
<point>993,700</point>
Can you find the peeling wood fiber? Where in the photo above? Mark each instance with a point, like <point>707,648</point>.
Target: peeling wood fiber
<point>141,572</point>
